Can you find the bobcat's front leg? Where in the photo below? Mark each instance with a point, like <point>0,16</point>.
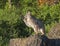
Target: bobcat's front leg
<point>39,30</point>
<point>42,31</point>
<point>36,30</point>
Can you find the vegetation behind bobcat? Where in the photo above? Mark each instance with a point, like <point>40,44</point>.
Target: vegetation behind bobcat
<point>36,24</point>
<point>49,2</point>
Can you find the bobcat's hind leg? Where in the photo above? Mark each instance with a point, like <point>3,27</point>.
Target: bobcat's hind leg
<point>42,31</point>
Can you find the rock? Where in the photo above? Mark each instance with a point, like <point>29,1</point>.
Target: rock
<point>54,36</point>
<point>54,32</point>
<point>33,40</point>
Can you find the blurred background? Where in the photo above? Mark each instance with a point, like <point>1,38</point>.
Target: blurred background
<point>11,25</point>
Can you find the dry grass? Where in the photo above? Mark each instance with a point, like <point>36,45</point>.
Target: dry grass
<point>49,2</point>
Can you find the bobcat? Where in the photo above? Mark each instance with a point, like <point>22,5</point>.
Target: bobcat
<point>36,24</point>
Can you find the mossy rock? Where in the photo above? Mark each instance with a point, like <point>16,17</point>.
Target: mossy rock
<point>54,32</point>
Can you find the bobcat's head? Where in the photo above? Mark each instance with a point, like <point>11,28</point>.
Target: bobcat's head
<point>27,16</point>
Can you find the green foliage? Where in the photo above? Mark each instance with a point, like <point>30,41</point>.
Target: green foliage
<point>2,3</point>
<point>11,25</point>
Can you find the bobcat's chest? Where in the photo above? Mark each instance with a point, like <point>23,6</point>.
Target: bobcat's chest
<point>32,22</point>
